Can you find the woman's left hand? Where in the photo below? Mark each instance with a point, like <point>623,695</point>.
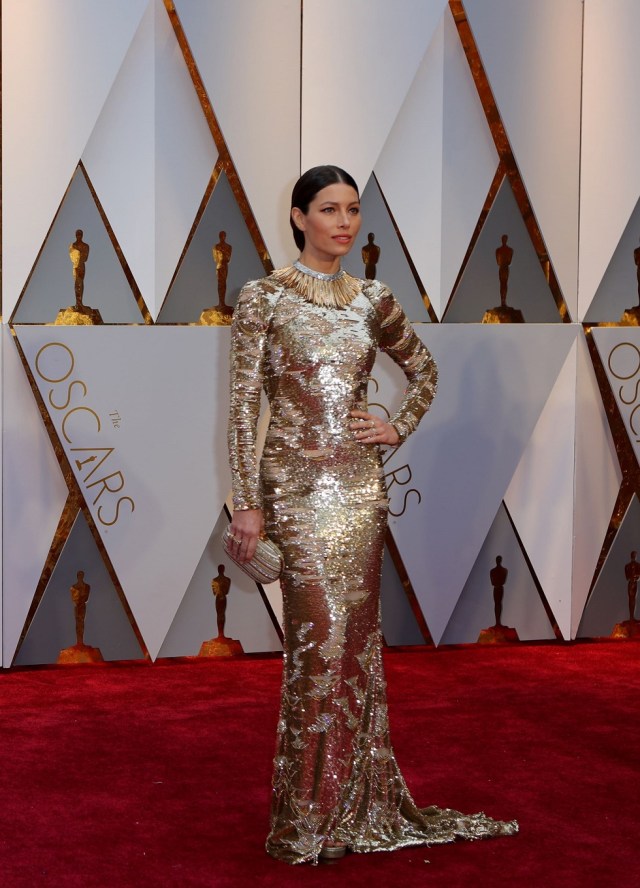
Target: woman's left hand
<point>372,429</point>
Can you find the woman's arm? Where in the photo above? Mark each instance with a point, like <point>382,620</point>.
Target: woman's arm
<point>248,345</point>
<point>400,341</point>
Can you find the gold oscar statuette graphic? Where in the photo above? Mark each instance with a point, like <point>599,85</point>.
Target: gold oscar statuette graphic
<point>220,646</point>
<point>630,628</point>
<point>498,633</point>
<point>80,652</point>
<point>631,316</point>
<point>221,314</point>
<point>370,257</point>
<point>79,313</point>
<point>503,313</point>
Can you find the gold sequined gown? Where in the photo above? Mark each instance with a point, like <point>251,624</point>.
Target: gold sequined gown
<point>324,502</point>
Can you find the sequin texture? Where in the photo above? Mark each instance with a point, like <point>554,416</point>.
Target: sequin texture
<point>325,505</point>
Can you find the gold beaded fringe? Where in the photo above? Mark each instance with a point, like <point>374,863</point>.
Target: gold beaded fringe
<point>336,293</point>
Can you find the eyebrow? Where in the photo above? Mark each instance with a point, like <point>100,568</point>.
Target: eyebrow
<point>335,203</point>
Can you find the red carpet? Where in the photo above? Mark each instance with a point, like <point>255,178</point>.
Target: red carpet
<point>138,775</point>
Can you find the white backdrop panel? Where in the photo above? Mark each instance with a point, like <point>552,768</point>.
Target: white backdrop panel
<point>248,55</point>
<point>155,399</point>
<point>597,481</point>
<point>532,54</point>
<point>359,60</point>
<point>119,156</point>
<point>409,168</point>
<point>59,61</point>
<point>540,495</point>
<point>34,493</point>
<point>494,382</point>
<point>610,173</point>
<point>438,163</point>
<point>151,155</point>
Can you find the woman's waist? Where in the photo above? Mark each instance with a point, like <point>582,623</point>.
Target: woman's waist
<point>310,442</point>
<point>307,448</point>
<point>343,474</point>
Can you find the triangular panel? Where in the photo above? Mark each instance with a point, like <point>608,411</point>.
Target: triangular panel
<point>447,481</point>
<point>522,608</point>
<point>59,61</point>
<point>609,602</point>
<point>479,287</point>
<point>53,627</point>
<point>51,286</point>
<point>195,286</point>
<point>620,287</point>
<point>246,620</point>
<point>141,415</point>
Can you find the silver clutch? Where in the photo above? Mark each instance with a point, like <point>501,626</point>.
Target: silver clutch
<point>267,564</point>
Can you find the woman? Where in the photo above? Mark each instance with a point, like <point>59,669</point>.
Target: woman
<point>309,334</point>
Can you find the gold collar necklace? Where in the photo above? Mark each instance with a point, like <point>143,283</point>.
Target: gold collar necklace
<point>326,290</point>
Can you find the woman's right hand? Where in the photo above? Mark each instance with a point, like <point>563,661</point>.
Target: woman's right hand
<point>247,526</point>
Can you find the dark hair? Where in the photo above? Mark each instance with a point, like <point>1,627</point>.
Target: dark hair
<point>308,185</point>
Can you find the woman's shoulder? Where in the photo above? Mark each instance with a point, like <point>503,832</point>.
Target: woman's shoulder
<point>262,291</point>
<point>382,299</point>
<point>255,304</point>
<point>266,286</point>
<point>374,289</point>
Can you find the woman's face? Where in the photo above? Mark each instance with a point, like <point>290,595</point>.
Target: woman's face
<point>331,223</point>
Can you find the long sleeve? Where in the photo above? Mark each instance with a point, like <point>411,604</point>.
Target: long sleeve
<point>248,348</point>
<point>399,340</point>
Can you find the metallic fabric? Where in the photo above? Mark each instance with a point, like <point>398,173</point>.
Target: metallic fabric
<point>325,505</point>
